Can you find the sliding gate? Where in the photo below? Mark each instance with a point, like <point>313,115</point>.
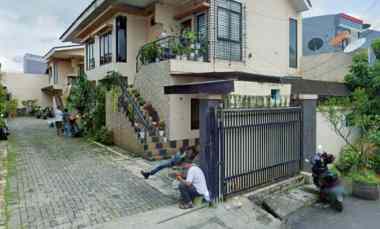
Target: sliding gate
<point>254,147</point>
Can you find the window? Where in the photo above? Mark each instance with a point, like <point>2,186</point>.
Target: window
<point>293,38</point>
<point>315,44</point>
<point>90,59</point>
<point>229,30</point>
<point>71,80</point>
<point>121,38</point>
<point>202,34</point>
<point>195,114</point>
<point>55,73</point>
<point>105,44</point>
<point>186,26</point>
<point>50,72</point>
<point>275,94</point>
<point>202,27</point>
<point>81,70</point>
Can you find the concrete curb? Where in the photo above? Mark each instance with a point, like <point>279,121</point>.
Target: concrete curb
<point>3,183</point>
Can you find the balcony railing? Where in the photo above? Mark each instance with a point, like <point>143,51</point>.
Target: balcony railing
<point>186,47</point>
<point>107,58</point>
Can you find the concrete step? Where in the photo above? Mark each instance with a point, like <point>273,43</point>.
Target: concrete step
<point>281,205</point>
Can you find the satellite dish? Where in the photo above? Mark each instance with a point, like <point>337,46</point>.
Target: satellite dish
<point>355,45</point>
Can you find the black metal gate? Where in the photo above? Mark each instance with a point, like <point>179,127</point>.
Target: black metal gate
<point>254,147</point>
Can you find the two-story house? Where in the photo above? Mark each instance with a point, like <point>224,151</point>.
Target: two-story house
<point>325,42</point>
<point>176,52</point>
<point>65,63</point>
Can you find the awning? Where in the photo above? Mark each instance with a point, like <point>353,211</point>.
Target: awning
<point>299,85</point>
<point>218,87</point>
<point>50,90</point>
<point>243,76</point>
<point>315,87</point>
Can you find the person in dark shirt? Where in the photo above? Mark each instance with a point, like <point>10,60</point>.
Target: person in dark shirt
<point>177,159</point>
<point>66,123</point>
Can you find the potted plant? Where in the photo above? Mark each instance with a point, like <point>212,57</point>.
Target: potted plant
<point>12,107</point>
<point>161,128</point>
<point>365,185</point>
<point>177,50</point>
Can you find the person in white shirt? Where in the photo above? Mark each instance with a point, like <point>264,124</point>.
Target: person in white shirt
<point>59,121</point>
<point>194,185</point>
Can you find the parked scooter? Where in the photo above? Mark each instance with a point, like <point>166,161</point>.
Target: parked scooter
<point>330,189</point>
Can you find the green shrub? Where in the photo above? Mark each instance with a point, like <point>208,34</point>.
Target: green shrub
<point>104,136</point>
<point>375,161</point>
<point>376,47</point>
<point>11,106</point>
<point>367,176</point>
<point>349,159</point>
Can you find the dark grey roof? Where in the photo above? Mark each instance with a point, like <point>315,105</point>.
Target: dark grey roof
<point>315,87</point>
<point>299,85</point>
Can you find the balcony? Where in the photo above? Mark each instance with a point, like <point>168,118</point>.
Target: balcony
<point>186,47</point>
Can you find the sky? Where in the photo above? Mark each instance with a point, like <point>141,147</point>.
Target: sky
<point>34,26</point>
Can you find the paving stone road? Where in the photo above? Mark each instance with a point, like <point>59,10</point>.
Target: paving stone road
<point>70,183</point>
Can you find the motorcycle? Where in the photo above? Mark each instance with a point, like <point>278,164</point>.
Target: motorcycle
<point>330,188</point>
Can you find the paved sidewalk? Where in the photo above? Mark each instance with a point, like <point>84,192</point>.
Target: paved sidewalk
<point>357,214</point>
<point>236,214</point>
<point>70,183</point>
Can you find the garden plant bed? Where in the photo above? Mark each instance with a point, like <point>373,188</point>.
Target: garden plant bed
<point>366,191</point>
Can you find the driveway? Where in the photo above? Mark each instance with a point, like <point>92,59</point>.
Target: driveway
<point>71,183</point>
<point>357,214</point>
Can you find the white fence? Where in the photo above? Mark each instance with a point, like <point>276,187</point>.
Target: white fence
<point>327,137</point>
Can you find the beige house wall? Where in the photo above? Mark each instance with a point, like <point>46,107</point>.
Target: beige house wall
<point>261,89</point>
<point>137,33</point>
<point>27,87</point>
<point>328,139</point>
<point>175,110</point>
<point>123,132</point>
<point>327,67</point>
<point>267,39</point>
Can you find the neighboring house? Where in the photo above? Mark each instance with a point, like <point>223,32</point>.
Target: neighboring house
<point>324,41</point>
<point>34,64</point>
<point>26,87</point>
<point>65,64</point>
<point>244,47</point>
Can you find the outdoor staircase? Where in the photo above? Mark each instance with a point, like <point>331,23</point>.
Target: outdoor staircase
<point>155,146</point>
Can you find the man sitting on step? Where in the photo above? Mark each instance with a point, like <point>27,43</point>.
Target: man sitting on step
<point>181,155</point>
<point>193,186</point>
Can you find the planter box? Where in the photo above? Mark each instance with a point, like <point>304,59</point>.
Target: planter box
<point>365,191</point>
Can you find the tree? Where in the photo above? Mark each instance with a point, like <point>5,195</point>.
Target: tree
<point>361,111</point>
<point>82,96</point>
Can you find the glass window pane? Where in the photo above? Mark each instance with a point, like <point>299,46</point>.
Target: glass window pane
<point>223,3</point>
<point>202,27</point>
<point>235,6</point>
<point>223,24</point>
<point>121,39</point>
<point>293,52</point>
<point>235,27</point>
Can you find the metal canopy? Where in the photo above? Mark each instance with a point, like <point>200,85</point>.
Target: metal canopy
<point>219,87</point>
